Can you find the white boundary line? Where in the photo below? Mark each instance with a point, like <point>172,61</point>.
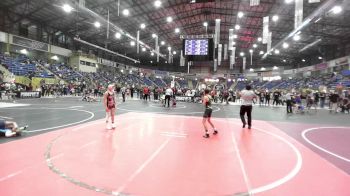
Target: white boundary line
<point>161,106</point>
<point>4,117</point>
<point>139,111</point>
<point>319,147</point>
<point>139,170</point>
<point>241,164</point>
<point>92,115</point>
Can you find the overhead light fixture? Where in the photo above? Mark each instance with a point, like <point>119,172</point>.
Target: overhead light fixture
<point>174,52</point>
<point>263,69</point>
<point>255,46</point>
<point>118,35</point>
<point>169,48</point>
<point>336,9</point>
<point>154,35</point>
<point>152,53</point>
<point>142,26</point>
<point>126,12</point>
<point>237,27</point>
<point>169,19</point>
<point>261,52</point>
<point>288,1</point>
<point>177,30</point>
<point>241,53</point>
<point>151,61</point>
<point>320,58</point>
<point>132,43</point>
<point>54,58</point>
<point>162,43</point>
<point>67,8</point>
<point>277,51</point>
<point>235,36</point>
<point>251,51</point>
<point>205,24</point>
<point>284,60</point>
<point>296,37</point>
<point>259,39</point>
<point>275,18</point>
<point>143,49</point>
<point>240,14</point>
<point>97,24</point>
<point>157,3</point>
<point>275,68</point>
<point>285,45</point>
<point>303,60</point>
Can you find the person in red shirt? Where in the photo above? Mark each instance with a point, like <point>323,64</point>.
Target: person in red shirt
<point>145,93</point>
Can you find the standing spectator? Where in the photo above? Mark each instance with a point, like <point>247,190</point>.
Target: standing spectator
<point>322,99</point>
<point>247,97</point>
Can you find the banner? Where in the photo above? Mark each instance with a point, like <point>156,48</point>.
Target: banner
<point>225,51</point>
<point>230,39</point>
<point>298,19</point>
<point>182,59</point>
<point>21,41</point>
<point>314,1</point>
<point>27,94</point>
<point>269,41</point>
<point>244,63</point>
<point>217,32</point>
<point>23,80</point>
<point>219,53</point>
<point>265,30</point>
<point>162,73</point>
<point>254,2</point>
<point>320,66</point>
<point>138,42</point>
<point>215,65</point>
<point>233,57</point>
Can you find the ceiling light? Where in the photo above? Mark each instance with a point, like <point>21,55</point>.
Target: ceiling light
<point>296,37</point>
<point>143,49</point>
<point>205,24</point>
<point>24,51</point>
<point>241,54</point>
<point>277,51</point>
<point>162,43</point>
<point>126,12</point>
<point>157,3</point>
<point>251,51</point>
<point>174,52</point>
<point>118,35</point>
<point>240,14</point>
<point>151,61</point>
<point>132,43</point>
<point>303,60</point>
<point>237,27</point>
<point>154,35</point>
<point>285,45</point>
<point>336,9</point>
<point>152,53</point>
<point>67,8</point>
<point>320,58</point>
<point>251,69</point>
<point>54,58</point>
<point>284,60</point>
<point>235,36</point>
<point>177,30</point>
<point>233,43</point>
<point>97,24</point>
<point>259,39</point>
<point>142,26</point>
<point>288,1</point>
<point>255,46</point>
<point>261,52</point>
<point>263,69</point>
<point>169,19</point>
<point>169,48</point>
<point>275,68</point>
<point>275,18</point>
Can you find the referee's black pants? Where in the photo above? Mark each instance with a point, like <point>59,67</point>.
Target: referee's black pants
<point>167,97</point>
<point>246,109</point>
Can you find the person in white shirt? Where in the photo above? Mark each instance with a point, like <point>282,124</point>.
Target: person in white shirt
<point>168,94</point>
<point>247,97</point>
<point>288,98</point>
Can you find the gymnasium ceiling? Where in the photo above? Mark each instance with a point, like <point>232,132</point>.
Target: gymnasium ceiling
<point>188,17</point>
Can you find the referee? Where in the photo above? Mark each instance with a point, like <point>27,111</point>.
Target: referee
<point>247,96</point>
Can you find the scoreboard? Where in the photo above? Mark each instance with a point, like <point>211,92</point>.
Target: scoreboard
<point>196,47</point>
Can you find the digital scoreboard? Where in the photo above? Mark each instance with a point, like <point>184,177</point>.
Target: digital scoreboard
<point>195,47</point>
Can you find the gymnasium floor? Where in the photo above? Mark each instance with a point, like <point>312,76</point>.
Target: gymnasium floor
<point>160,151</point>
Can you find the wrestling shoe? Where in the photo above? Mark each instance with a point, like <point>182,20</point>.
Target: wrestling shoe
<point>206,135</point>
<point>113,126</point>
<point>109,127</point>
<point>215,132</point>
